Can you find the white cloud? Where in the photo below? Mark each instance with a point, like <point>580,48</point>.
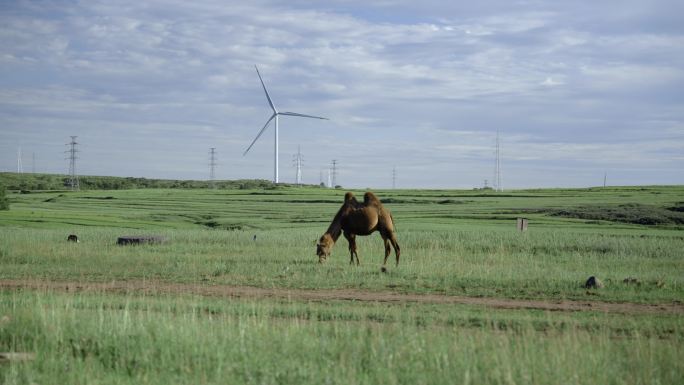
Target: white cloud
<point>550,82</point>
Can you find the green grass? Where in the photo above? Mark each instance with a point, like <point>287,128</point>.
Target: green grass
<point>467,246</point>
<point>498,263</point>
<point>460,243</point>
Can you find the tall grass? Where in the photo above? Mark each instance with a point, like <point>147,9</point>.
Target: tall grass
<point>119,339</point>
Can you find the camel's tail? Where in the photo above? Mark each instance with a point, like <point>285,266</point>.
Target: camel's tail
<point>394,225</point>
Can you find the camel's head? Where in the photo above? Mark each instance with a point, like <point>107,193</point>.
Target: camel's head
<point>324,247</point>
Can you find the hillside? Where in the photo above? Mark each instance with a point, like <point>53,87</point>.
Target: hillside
<point>57,182</point>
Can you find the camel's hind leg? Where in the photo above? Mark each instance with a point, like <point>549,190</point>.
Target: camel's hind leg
<point>390,238</point>
<point>395,244</point>
<point>388,250</point>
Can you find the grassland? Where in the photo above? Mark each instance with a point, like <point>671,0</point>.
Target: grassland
<point>460,244</point>
<point>139,339</point>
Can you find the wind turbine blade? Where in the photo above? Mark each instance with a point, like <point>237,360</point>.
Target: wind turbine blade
<point>267,95</point>
<point>301,115</point>
<point>260,132</point>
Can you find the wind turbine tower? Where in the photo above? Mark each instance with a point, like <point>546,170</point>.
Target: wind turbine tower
<point>73,177</point>
<point>497,167</point>
<point>298,160</point>
<point>275,116</point>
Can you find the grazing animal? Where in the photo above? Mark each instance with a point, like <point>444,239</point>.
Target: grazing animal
<point>355,218</point>
<point>72,238</point>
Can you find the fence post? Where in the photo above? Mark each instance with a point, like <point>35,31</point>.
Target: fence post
<point>522,224</point>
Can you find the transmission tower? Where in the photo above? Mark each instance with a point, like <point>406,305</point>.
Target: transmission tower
<point>73,177</point>
<point>298,160</point>
<point>212,166</point>
<point>394,177</point>
<point>334,173</point>
<point>497,167</point>
<point>329,179</point>
<point>20,167</point>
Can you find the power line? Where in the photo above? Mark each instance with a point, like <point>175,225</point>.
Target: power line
<point>212,166</point>
<point>497,167</point>
<point>20,167</point>
<point>394,177</point>
<point>298,160</point>
<point>73,177</point>
<point>329,179</point>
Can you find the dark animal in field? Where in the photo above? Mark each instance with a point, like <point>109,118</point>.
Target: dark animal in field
<point>355,218</point>
<point>593,283</point>
<point>72,238</point>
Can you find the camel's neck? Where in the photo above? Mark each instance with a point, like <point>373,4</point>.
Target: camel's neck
<point>335,228</point>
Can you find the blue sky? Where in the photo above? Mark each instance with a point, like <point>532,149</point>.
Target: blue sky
<point>576,89</point>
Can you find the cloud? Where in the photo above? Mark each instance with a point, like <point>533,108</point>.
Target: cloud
<point>550,82</point>
<point>421,86</point>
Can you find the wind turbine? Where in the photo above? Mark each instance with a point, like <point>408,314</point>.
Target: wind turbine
<point>275,115</point>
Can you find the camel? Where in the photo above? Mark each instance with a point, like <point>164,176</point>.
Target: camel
<point>355,218</point>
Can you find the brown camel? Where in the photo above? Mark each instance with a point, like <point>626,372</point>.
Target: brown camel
<point>355,218</point>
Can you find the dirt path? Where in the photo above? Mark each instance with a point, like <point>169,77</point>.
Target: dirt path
<point>155,287</point>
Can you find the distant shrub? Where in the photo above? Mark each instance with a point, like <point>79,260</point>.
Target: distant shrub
<point>639,214</point>
<point>679,207</point>
<point>52,182</point>
<point>4,202</point>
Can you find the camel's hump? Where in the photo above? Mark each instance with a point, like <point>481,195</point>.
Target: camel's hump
<point>369,199</point>
<point>348,196</point>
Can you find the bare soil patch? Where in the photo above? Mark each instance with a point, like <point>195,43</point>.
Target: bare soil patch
<point>157,287</point>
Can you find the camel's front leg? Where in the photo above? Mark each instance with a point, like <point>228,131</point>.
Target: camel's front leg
<point>351,238</point>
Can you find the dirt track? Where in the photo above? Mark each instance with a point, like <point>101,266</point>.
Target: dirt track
<point>155,287</point>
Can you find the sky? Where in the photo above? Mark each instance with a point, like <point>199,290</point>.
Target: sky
<point>579,90</point>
